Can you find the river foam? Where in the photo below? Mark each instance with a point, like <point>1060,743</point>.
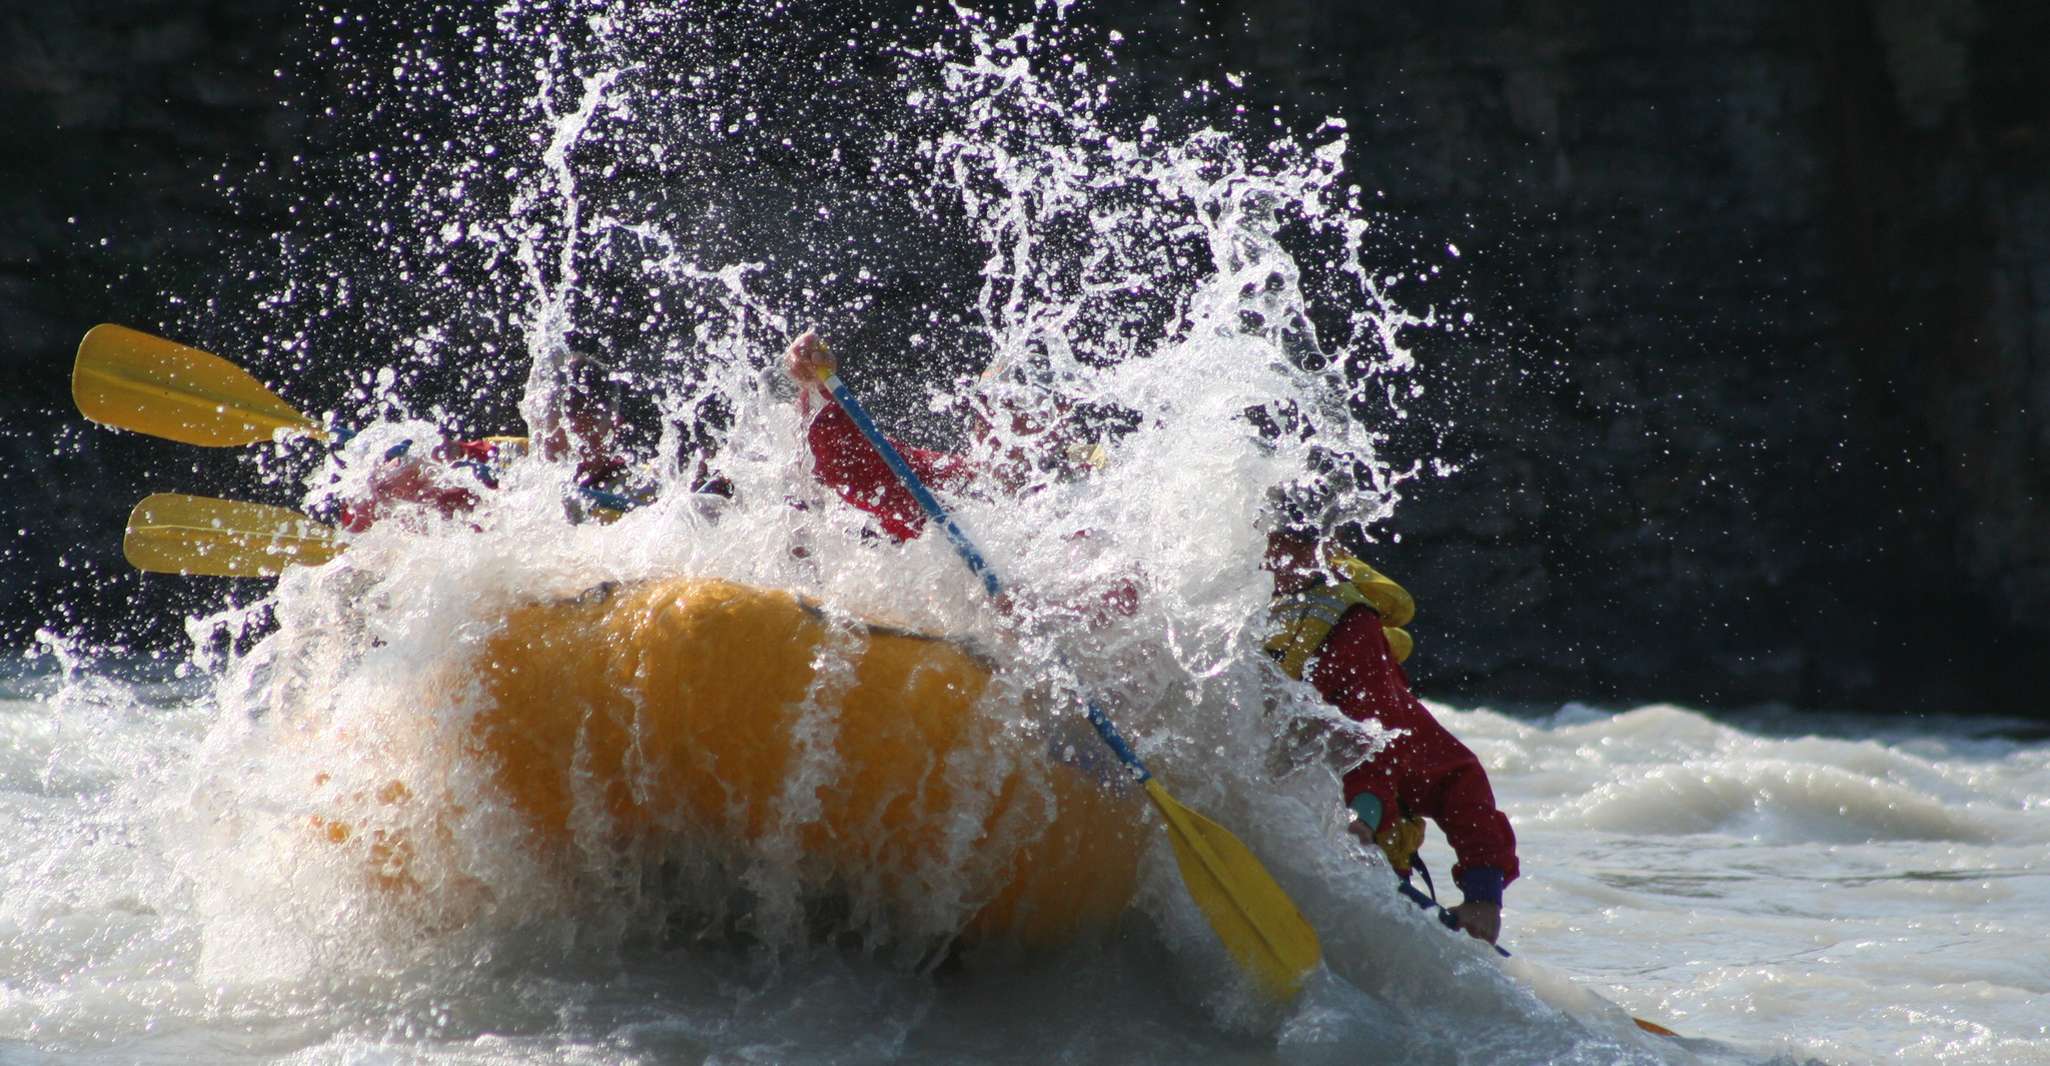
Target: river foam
<point>1754,942</point>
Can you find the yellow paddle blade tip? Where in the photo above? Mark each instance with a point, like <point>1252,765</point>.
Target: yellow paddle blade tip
<point>175,533</point>
<point>131,380</point>
<point>1252,915</point>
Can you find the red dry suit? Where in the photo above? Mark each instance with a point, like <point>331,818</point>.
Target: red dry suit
<point>855,470</point>
<point>846,461</point>
<point>1426,772</point>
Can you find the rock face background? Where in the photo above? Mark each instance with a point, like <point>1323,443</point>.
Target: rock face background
<point>1754,412</point>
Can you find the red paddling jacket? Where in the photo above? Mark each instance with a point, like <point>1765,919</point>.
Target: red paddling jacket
<point>855,470</point>
<point>447,480</point>
<point>1343,640</point>
<point>1426,772</point>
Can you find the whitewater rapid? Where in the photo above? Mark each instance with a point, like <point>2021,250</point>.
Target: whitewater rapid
<point>1870,889</point>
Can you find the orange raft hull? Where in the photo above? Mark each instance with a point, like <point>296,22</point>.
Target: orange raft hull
<point>712,711</point>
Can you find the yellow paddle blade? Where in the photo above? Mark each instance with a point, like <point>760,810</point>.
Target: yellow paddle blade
<point>172,533</point>
<point>131,380</point>
<point>1254,918</point>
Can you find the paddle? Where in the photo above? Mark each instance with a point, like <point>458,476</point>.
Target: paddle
<point>1451,921</point>
<point>131,380</point>
<point>1259,925</point>
<point>172,533</point>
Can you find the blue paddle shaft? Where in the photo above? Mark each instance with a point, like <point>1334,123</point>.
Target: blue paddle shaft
<point>1445,915</point>
<point>930,504</point>
<point>962,545</point>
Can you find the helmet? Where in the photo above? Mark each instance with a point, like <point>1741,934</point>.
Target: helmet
<point>1301,508</point>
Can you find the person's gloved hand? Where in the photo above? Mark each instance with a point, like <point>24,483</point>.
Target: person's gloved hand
<point>1482,921</point>
<point>808,356</point>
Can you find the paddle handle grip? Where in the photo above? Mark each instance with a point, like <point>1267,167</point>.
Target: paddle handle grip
<point>1445,915</point>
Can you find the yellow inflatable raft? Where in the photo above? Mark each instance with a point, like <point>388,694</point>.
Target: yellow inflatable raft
<point>689,707</point>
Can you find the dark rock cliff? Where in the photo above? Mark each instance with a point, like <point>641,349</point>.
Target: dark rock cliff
<point>1764,416</point>
<point>1753,410</point>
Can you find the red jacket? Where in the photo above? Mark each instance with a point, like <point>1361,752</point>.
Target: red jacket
<point>1426,769</point>
<point>845,461</point>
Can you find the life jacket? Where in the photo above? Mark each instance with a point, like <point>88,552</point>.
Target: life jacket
<point>1303,622</point>
<point>1400,840</point>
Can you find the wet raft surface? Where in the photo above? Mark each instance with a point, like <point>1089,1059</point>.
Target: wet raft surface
<point>746,720</point>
